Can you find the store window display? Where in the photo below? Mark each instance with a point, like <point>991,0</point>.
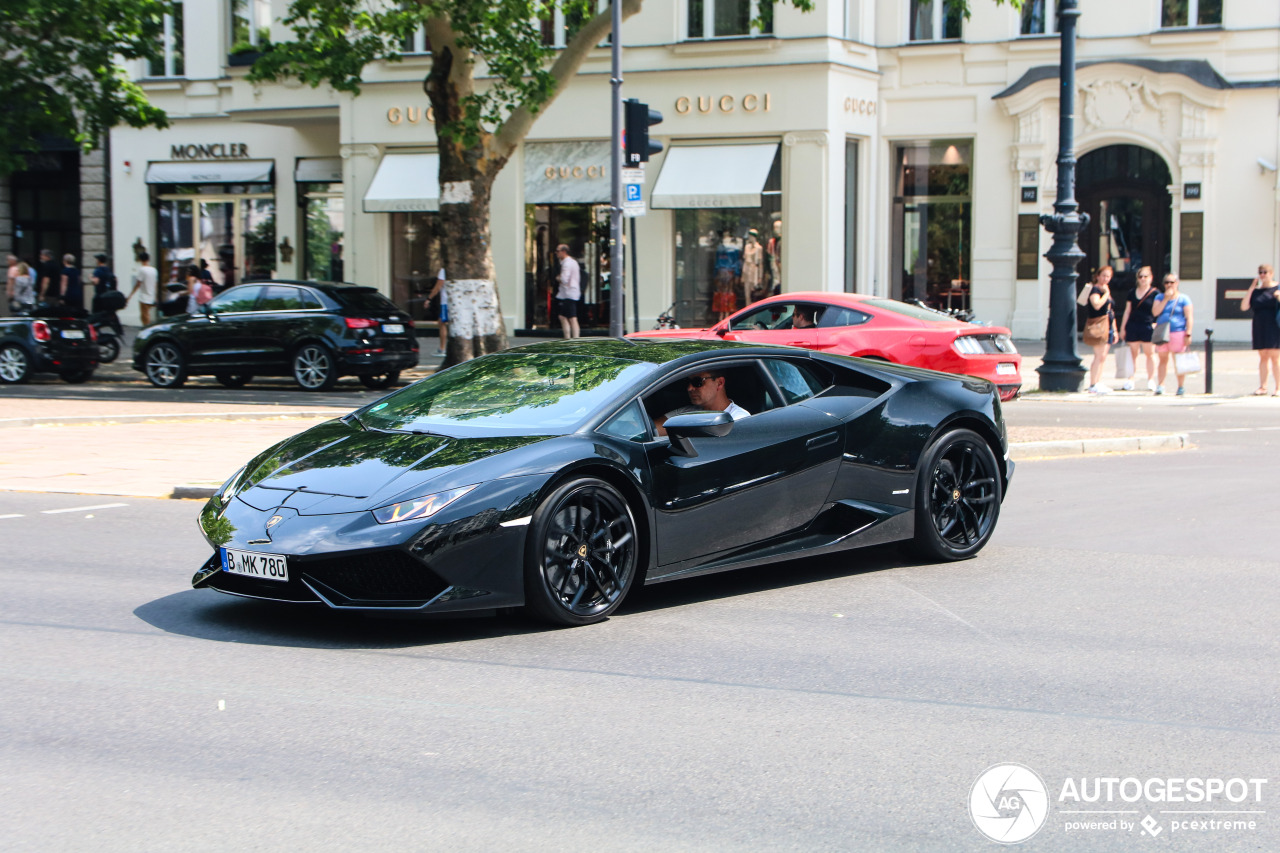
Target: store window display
<point>416,259</point>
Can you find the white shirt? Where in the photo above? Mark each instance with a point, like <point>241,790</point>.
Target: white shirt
<point>147,277</point>
<point>570,279</point>
<point>735,411</point>
<point>444,291</point>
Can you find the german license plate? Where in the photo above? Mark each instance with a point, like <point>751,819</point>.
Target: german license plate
<point>1006,369</point>
<point>255,564</point>
<point>393,328</point>
<point>73,334</point>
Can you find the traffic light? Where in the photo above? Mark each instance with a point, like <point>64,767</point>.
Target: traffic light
<point>638,146</point>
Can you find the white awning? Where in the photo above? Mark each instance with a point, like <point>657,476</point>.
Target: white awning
<point>405,182</point>
<point>211,172</point>
<point>713,176</point>
<point>324,170</point>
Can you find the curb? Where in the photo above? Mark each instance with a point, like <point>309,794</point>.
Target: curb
<point>72,420</point>
<point>1026,450</point>
<point>193,493</point>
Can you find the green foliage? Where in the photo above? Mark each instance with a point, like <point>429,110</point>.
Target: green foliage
<point>59,77</point>
<point>336,39</point>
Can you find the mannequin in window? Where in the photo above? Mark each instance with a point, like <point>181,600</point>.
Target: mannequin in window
<point>728,271</point>
<point>752,268</point>
<point>774,249</point>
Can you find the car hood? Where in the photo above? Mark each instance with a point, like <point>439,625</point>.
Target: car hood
<point>336,468</point>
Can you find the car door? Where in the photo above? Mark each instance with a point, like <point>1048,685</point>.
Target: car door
<point>220,337</point>
<point>773,323</point>
<point>282,314</point>
<point>769,476</point>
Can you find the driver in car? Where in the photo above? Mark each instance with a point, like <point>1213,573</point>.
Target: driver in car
<point>706,394</point>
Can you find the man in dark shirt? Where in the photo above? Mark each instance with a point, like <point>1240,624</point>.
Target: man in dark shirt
<point>48,278</point>
<point>103,278</point>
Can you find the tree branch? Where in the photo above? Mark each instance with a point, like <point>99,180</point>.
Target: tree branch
<point>507,137</point>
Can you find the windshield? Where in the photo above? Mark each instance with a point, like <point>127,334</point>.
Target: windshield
<point>366,299</point>
<point>523,393</point>
<point>914,311</point>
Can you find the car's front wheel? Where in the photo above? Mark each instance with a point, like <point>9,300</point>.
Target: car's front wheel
<point>233,380</point>
<point>958,495</point>
<point>581,554</point>
<point>165,365</point>
<point>15,364</point>
<point>379,381</point>
<point>314,368</point>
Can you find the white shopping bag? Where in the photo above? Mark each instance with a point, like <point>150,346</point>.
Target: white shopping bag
<point>1124,362</point>
<point>1186,362</point>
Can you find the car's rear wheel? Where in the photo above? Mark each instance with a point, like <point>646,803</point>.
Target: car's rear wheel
<point>379,381</point>
<point>165,365</point>
<point>76,377</point>
<point>581,553</point>
<point>233,380</point>
<point>15,364</point>
<point>314,368</point>
<point>958,495</point>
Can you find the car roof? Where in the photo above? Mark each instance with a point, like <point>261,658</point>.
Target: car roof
<point>651,350</point>
<point>327,286</point>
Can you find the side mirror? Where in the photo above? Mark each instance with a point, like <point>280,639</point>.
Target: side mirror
<point>682,428</point>
<point>723,330</point>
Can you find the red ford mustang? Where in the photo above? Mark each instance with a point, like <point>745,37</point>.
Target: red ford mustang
<point>872,327</point>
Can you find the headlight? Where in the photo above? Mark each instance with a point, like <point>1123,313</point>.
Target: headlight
<point>418,508</point>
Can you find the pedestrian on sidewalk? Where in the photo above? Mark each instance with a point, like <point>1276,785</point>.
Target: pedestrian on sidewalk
<point>1261,298</point>
<point>443,323</point>
<point>569,292</point>
<point>1100,327</point>
<point>1175,309</point>
<point>48,276</point>
<point>11,286</point>
<point>103,278</point>
<point>1137,326</point>
<point>70,285</point>
<point>145,279</point>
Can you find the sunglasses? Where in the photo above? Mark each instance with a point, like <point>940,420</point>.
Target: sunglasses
<point>699,381</point>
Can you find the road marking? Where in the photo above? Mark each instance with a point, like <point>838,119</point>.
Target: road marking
<point>1234,429</point>
<point>81,508</point>
<point>12,515</point>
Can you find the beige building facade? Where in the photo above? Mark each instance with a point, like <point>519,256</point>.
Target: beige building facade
<point>876,147</point>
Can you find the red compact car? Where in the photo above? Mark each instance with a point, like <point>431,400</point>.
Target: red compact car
<point>872,327</point>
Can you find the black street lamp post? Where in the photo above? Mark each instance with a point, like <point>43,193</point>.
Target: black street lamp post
<point>1062,369</point>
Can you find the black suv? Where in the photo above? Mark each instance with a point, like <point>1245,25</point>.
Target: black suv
<point>52,340</point>
<point>312,331</point>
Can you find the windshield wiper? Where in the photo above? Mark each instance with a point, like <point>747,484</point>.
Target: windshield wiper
<point>352,416</point>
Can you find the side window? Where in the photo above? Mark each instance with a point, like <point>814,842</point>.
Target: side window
<point>309,299</point>
<point>631,424</point>
<point>834,317</point>
<point>797,383</point>
<point>775,316</point>
<point>280,298</point>
<point>239,298</point>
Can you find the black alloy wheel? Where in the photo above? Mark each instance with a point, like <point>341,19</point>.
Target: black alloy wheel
<point>581,553</point>
<point>76,377</point>
<point>15,364</point>
<point>314,368</point>
<point>233,380</point>
<point>379,381</point>
<point>108,348</point>
<point>165,365</point>
<point>958,495</point>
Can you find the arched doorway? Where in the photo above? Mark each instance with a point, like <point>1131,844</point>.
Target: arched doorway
<point>1125,191</point>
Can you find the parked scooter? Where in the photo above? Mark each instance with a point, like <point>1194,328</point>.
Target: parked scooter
<point>106,324</point>
<point>667,319</point>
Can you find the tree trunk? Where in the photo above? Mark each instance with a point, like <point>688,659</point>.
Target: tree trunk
<point>467,170</point>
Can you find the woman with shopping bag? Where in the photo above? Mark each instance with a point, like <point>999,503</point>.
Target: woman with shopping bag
<point>1173,311</point>
<point>1136,328</point>
<point>1099,327</point>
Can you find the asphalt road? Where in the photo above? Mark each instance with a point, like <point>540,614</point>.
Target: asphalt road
<point>1123,623</point>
